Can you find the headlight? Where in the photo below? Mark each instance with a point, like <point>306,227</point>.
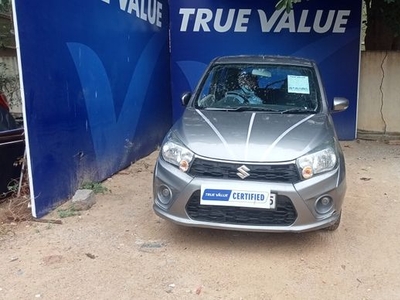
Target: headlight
<point>177,155</point>
<point>317,162</point>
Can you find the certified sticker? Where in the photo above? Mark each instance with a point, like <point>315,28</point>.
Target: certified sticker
<point>298,84</point>
<point>238,198</point>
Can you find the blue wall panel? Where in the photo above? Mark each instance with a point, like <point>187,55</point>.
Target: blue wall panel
<point>96,89</point>
<point>326,31</point>
<point>97,82</point>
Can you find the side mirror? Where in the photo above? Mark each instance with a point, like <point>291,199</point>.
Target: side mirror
<point>185,98</point>
<point>340,104</point>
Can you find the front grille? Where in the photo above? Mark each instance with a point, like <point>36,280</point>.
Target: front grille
<point>284,215</point>
<point>287,173</point>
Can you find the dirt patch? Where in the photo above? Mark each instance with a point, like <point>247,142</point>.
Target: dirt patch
<point>119,249</point>
<point>15,209</point>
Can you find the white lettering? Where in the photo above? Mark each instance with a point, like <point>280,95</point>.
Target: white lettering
<point>328,24</point>
<point>221,20</point>
<point>147,10</point>
<point>203,16</point>
<point>287,21</point>
<point>151,12</point>
<point>341,20</point>
<point>143,15</point>
<point>242,20</point>
<point>202,19</point>
<point>122,4</point>
<point>133,6</point>
<point>266,26</point>
<point>159,14</point>
<point>281,20</point>
<point>229,20</point>
<point>186,12</point>
<point>302,25</point>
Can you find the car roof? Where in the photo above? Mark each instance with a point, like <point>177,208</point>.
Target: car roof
<point>264,59</point>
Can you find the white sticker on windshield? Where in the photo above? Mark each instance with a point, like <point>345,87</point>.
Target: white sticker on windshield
<point>298,84</point>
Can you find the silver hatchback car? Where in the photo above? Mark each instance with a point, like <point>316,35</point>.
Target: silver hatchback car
<point>254,150</point>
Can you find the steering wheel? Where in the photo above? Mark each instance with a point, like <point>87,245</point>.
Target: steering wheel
<point>239,95</point>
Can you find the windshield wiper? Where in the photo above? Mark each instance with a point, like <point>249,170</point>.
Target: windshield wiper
<point>243,108</point>
<point>220,108</point>
<point>255,108</point>
<point>298,110</point>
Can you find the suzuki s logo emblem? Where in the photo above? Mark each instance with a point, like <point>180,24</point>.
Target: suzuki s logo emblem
<point>243,172</point>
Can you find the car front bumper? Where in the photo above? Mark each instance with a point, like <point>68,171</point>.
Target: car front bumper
<point>298,215</point>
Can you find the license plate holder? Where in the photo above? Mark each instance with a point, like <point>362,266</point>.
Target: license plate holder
<point>250,198</point>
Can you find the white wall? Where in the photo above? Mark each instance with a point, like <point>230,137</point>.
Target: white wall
<point>379,100</point>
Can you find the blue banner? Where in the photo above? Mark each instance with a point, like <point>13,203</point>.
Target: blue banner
<point>326,31</point>
<point>96,89</point>
<point>96,77</point>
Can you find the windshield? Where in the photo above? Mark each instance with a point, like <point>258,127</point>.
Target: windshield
<point>273,88</point>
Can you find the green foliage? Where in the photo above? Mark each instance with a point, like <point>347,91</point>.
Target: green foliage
<point>284,4</point>
<point>68,212</point>
<point>9,85</point>
<point>96,187</point>
<point>7,38</point>
<point>287,4</point>
<point>9,80</point>
<point>5,6</point>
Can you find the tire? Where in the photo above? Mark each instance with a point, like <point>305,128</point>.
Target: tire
<point>335,225</point>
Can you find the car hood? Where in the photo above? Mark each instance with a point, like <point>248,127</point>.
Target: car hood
<point>252,136</point>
